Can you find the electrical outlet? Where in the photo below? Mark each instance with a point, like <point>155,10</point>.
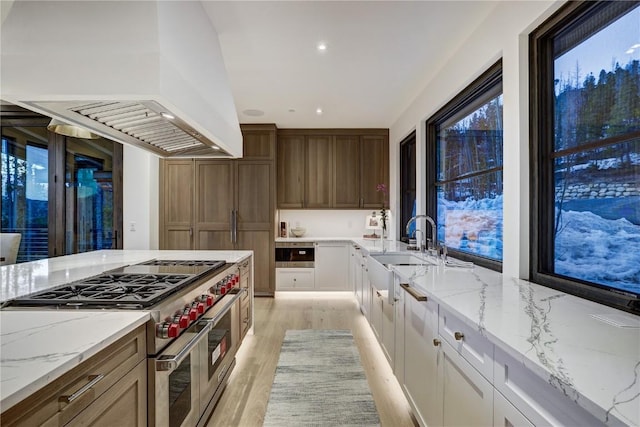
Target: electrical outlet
<point>132,226</point>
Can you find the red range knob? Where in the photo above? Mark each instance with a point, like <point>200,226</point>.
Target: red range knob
<point>193,314</point>
<point>223,290</point>
<point>209,300</point>
<point>229,285</point>
<point>183,321</point>
<point>200,307</point>
<point>173,330</point>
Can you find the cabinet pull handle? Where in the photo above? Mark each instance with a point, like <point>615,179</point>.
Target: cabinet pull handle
<point>93,380</point>
<point>379,294</point>
<point>417,295</point>
<point>436,342</point>
<point>458,336</point>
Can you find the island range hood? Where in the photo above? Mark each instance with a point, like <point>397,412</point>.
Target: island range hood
<point>144,73</point>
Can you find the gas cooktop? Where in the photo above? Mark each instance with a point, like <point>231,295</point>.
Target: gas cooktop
<point>136,286</point>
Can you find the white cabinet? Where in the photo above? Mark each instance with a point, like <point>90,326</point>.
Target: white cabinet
<point>471,345</point>
<point>467,397</point>
<point>538,400</point>
<point>507,415</point>
<point>357,265</point>
<point>388,329</point>
<point>295,279</point>
<point>332,266</point>
<point>375,316</point>
<point>398,326</point>
<point>421,358</point>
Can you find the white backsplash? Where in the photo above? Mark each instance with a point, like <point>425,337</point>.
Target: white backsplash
<point>331,223</point>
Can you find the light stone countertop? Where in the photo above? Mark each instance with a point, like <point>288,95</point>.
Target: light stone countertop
<point>555,335</point>
<point>39,345</point>
<point>369,245</point>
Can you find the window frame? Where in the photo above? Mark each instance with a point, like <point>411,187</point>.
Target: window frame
<point>408,181</point>
<point>469,99</point>
<point>543,154</point>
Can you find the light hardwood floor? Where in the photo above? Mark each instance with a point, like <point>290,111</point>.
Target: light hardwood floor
<point>244,402</point>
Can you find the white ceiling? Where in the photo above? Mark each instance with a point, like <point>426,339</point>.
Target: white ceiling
<point>380,54</point>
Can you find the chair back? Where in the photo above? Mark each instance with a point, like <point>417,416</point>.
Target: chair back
<point>9,245</point>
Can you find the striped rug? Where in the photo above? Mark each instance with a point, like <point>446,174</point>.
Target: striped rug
<point>319,381</point>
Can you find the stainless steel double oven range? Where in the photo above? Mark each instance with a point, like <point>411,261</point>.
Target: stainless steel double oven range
<point>192,336</point>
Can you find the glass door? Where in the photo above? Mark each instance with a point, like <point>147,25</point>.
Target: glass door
<point>89,195</point>
<point>25,181</point>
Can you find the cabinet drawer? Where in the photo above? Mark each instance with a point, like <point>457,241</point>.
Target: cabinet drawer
<point>245,318</point>
<point>507,415</point>
<point>292,279</point>
<point>471,345</point>
<point>538,400</point>
<point>60,401</point>
<point>123,405</point>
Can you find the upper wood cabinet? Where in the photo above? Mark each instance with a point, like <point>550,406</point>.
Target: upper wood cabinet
<point>319,172</point>
<point>290,161</point>
<point>332,168</point>
<point>374,161</point>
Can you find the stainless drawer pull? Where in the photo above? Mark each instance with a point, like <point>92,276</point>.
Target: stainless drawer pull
<point>93,380</point>
<point>458,336</point>
<point>436,342</point>
<point>417,295</point>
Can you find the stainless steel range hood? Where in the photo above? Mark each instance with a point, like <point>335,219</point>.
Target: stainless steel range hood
<point>148,74</point>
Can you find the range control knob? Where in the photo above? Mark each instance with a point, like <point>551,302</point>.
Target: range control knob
<point>199,306</point>
<point>192,313</point>
<point>207,299</point>
<point>182,320</point>
<point>173,330</point>
<point>167,330</point>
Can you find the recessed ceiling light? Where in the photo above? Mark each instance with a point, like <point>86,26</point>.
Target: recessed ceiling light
<point>253,112</point>
<point>292,110</point>
<point>318,111</point>
<point>322,46</point>
<point>167,116</point>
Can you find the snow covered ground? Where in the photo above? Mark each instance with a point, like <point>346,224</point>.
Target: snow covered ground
<point>588,246</point>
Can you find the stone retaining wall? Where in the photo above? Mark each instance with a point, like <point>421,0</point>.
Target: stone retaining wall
<point>599,191</point>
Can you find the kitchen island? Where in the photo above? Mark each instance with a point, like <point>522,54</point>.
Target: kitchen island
<point>40,345</point>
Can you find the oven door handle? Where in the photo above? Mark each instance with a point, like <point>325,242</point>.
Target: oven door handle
<point>215,319</point>
<point>172,362</point>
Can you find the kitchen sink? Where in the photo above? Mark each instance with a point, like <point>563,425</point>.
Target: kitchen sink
<point>401,258</point>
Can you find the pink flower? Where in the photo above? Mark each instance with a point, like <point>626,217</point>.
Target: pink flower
<point>382,187</point>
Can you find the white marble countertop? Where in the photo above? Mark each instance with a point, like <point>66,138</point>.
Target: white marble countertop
<point>556,335</point>
<point>17,280</point>
<point>39,345</point>
<point>369,245</point>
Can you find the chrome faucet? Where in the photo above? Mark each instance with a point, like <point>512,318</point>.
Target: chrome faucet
<point>431,244</point>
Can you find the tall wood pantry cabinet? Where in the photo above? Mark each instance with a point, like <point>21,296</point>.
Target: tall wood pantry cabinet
<point>224,204</point>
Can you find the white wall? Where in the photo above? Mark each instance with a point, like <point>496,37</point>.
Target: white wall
<point>140,199</point>
<point>504,34</point>
<point>329,223</point>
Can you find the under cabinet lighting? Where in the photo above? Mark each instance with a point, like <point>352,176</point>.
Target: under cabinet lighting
<point>167,116</point>
<point>318,111</point>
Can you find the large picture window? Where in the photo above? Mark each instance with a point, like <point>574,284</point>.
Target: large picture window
<point>464,171</point>
<point>586,152</point>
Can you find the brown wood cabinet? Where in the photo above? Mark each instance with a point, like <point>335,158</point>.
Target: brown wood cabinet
<point>116,394</point>
<point>233,203</point>
<point>332,168</point>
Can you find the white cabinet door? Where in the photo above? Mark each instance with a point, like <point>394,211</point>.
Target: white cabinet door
<point>421,362</point>
<point>505,414</point>
<point>294,279</point>
<point>467,396</point>
<point>398,324</point>
<point>357,272</point>
<point>388,329</point>
<point>332,266</point>
<point>376,312</point>
<point>366,291</point>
